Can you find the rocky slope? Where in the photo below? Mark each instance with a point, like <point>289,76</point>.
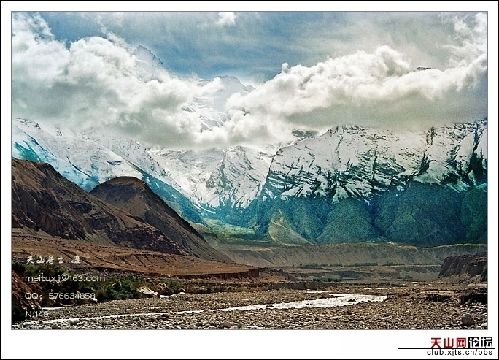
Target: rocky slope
<point>347,254</point>
<point>45,201</point>
<point>468,265</point>
<point>21,306</point>
<point>112,259</point>
<point>135,197</point>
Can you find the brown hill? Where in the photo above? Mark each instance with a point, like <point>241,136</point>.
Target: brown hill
<point>470,265</point>
<point>45,201</point>
<point>135,197</point>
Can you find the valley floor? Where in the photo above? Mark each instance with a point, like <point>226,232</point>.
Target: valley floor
<point>416,305</point>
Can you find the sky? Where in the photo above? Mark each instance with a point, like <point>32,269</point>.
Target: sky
<point>195,80</point>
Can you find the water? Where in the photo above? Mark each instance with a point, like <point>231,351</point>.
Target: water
<point>335,300</point>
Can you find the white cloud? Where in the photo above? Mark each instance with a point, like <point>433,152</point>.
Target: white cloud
<point>226,18</point>
<point>370,87</point>
<point>472,39</point>
<point>99,83</point>
<point>107,85</point>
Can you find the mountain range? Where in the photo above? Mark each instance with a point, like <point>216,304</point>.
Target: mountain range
<point>44,201</point>
<point>420,187</point>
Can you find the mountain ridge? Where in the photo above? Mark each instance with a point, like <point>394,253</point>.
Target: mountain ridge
<point>46,202</point>
<point>134,196</point>
<point>238,185</point>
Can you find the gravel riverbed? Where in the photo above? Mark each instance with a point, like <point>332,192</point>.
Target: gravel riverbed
<point>405,307</point>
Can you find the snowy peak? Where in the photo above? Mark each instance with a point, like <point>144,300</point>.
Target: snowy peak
<point>240,176</point>
<point>344,162</point>
<point>218,178</point>
<point>150,66</point>
<point>210,112</point>
<point>82,161</point>
<point>353,161</point>
<point>302,191</point>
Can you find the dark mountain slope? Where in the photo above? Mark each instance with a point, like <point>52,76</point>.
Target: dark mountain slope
<point>45,201</point>
<point>134,196</point>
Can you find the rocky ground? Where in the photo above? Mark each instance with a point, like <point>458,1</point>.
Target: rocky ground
<point>408,306</point>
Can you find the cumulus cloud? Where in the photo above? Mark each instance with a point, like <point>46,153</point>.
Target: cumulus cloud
<point>370,88</point>
<point>108,85</point>
<point>358,79</point>
<point>99,83</point>
<point>472,40</point>
<point>226,18</point>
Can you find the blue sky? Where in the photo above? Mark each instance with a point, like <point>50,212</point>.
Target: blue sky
<point>257,44</point>
<point>192,43</point>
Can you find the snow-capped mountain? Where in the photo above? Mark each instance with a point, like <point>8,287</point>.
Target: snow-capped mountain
<point>348,161</point>
<point>352,161</point>
<point>215,178</point>
<point>294,191</point>
<point>210,112</point>
<point>90,159</point>
<point>229,85</point>
<point>77,158</point>
<point>419,187</point>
